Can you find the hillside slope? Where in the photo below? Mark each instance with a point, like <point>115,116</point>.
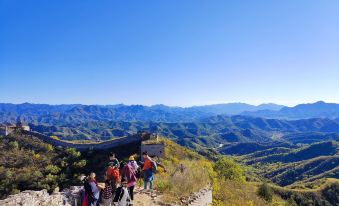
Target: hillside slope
<point>285,166</point>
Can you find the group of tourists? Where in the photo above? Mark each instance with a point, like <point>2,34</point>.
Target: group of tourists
<point>120,181</point>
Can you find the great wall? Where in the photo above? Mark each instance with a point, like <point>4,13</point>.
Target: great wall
<point>106,145</point>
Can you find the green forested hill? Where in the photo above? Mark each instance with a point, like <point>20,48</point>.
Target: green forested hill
<point>285,166</point>
<point>28,163</point>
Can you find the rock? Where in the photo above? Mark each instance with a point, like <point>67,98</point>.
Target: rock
<point>56,190</point>
<point>67,197</point>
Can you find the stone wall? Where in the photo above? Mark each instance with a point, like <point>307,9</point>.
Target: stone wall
<point>153,149</point>
<point>84,147</point>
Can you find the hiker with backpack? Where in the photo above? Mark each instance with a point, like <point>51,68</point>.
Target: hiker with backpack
<point>148,169</point>
<point>129,172</point>
<point>113,175</point>
<point>133,163</point>
<point>122,196</point>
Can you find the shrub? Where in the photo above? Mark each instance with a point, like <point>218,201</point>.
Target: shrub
<point>228,169</point>
<point>52,169</point>
<point>14,145</point>
<point>265,192</point>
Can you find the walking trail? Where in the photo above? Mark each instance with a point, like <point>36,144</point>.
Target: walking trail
<point>203,198</point>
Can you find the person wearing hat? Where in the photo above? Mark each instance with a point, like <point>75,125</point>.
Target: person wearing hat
<point>133,163</point>
<point>122,196</point>
<point>129,172</point>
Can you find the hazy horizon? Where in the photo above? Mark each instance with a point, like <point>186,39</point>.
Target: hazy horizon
<point>183,106</point>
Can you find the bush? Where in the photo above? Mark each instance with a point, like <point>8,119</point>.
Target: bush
<point>265,192</point>
<point>228,169</point>
<point>13,145</point>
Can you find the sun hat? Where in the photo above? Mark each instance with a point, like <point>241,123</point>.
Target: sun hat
<point>131,158</point>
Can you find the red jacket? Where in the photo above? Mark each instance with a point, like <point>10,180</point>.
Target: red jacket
<point>147,164</point>
<point>113,173</point>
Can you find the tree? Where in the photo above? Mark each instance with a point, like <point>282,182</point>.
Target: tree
<point>228,169</point>
<point>265,192</point>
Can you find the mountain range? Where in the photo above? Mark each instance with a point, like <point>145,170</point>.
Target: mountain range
<point>64,114</point>
<point>302,111</point>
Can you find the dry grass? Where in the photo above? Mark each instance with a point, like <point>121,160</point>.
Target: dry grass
<point>175,183</point>
<point>230,193</point>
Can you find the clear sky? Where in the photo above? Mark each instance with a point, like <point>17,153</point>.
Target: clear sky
<point>171,52</point>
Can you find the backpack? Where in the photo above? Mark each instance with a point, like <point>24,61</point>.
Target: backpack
<point>154,166</point>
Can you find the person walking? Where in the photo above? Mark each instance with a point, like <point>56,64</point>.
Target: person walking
<point>133,163</point>
<point>129,172</point>
<point>113,175</point>
<point>147,170</point>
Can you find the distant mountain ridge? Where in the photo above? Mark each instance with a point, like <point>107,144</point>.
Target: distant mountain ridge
<point>50,114</point>
<point>56,114</point>
<point>318,109</point>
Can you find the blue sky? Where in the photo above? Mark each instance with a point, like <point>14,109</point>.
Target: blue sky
<point>170,52</point>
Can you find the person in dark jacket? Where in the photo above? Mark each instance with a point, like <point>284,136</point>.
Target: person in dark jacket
<point>122,197</point>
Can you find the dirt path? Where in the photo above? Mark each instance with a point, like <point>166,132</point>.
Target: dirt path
<point>145,199</point>
<point>205,198</point>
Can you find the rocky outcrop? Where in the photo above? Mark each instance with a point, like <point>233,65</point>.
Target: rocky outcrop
<point>68,197</point>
